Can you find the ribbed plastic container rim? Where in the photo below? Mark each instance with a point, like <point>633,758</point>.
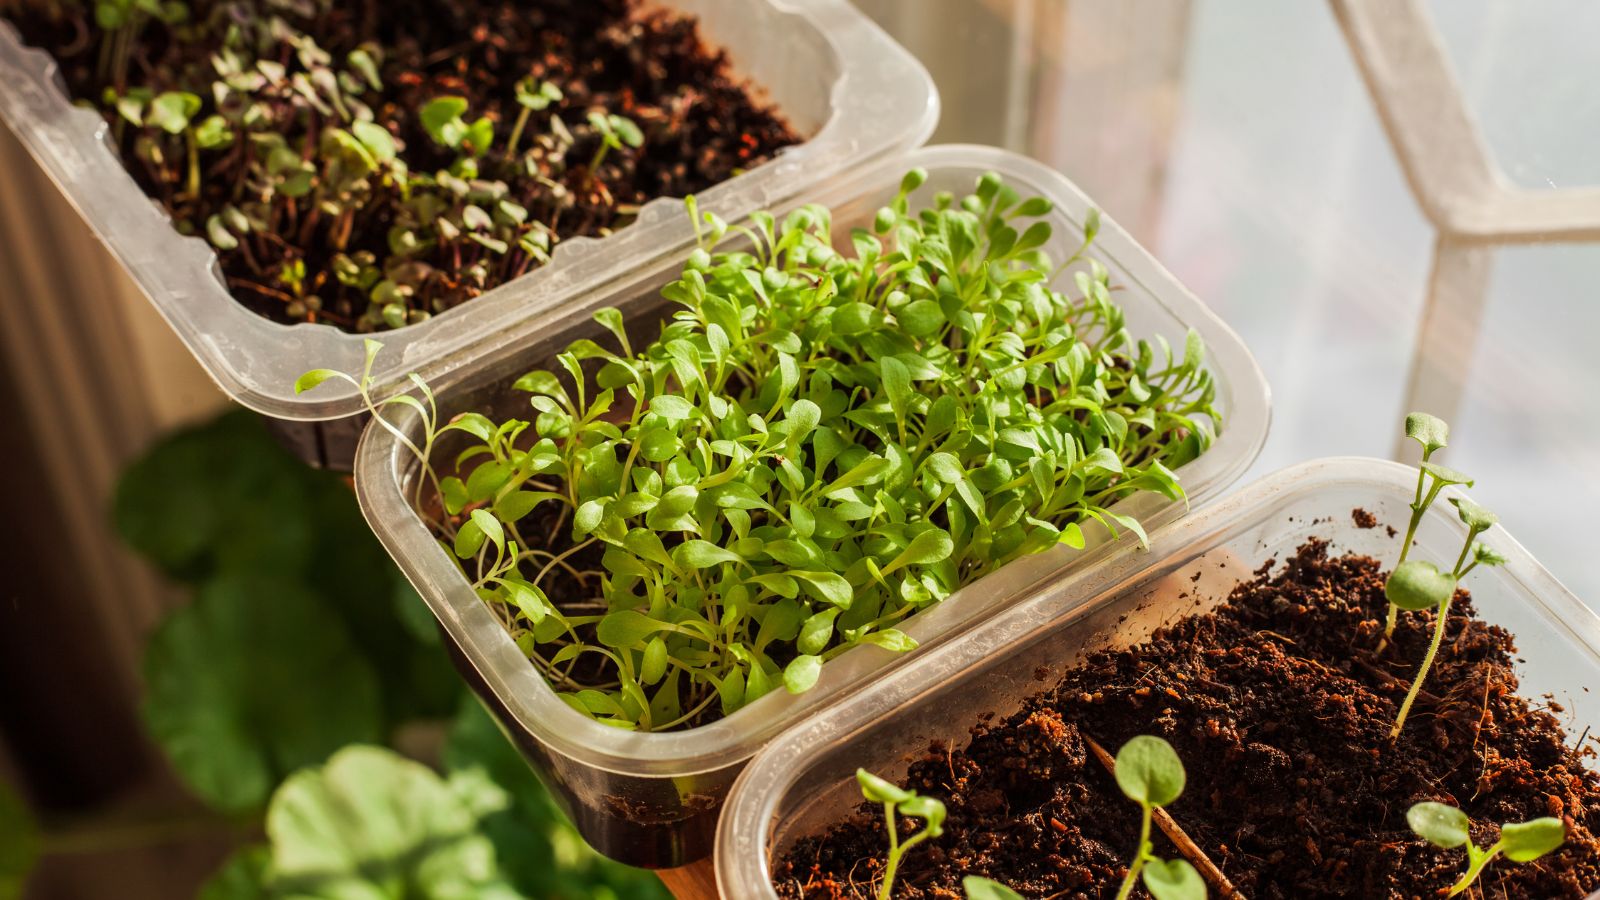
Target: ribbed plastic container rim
<point>535,705</point>
<point>883,102</point>
<point>742,867</point>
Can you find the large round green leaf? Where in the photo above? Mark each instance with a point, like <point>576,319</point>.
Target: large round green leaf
<point>255,679</point>
<point>373,825</point>
<point>221,496</point>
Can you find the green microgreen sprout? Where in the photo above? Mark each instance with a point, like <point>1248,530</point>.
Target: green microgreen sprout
<point>1150,773</point>
<point>1419,584</point>
<point>442,118</point>
<point>532,96</point>
<point>1432,434</point>
<point>898,801</point>
<point>173,112</point>
<point>813,447</point>
<point>1447,828</point>
<point>615,132</point>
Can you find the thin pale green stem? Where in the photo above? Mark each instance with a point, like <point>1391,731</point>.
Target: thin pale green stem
<point>1479,860</point>
<point>1427,663</point>
<point>1139,860</point>
<point>893,860</point>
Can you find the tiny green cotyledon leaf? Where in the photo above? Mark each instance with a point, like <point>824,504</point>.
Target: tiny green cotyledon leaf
<point>1173,879</point>
<point>979,888</point>
<point>1440,825</point>
<point>1149,771</point>
<point>1418,584</point>
<point>1527,841</point>
<point>1429,431</point>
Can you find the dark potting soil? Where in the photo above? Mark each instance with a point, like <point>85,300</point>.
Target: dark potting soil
<point>303,260</point>
<point>1280,710</point>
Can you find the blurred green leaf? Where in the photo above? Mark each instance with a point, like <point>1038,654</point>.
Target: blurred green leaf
<point>373,824</point>
<point>255,679</point>
<point>242,877</point>
<point>224,497</point>
<point>539,850</point>
<point>19,843</point>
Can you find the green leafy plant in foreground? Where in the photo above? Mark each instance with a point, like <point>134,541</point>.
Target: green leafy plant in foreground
<point>898,801</point>
<point>1418,584</point>
<point>1149,772</point>
<point>303,639</point>
<point>815,447</point>
<point>1446,827</point>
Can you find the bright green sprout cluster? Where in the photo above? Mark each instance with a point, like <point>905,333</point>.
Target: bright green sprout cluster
<point>1417,584</point>
<point>1448,828</point>
<point>898,801</point>
<point>1150,774</point>
<point>816,447</point>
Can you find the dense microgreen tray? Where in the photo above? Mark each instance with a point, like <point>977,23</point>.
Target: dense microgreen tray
<point>817,445</point>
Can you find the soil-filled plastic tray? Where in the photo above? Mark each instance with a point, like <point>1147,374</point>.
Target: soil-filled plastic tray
<point>1287,538</point>
<point>849,91</point>
<point>653,798</point>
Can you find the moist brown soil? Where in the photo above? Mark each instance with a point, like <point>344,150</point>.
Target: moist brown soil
<point>701,126</point>
<point>1281,711</point>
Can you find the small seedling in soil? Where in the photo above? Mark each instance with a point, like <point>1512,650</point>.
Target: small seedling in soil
<point>615,133</point>
<point>1150,774</point>
<point>1433,434</point>
<point>898,801</point>
<point>1447,828</point>
<point>1419,584</point>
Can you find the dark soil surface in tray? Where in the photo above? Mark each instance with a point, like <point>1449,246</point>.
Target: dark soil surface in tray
<point>1281,712</point>
<point>333,254</point>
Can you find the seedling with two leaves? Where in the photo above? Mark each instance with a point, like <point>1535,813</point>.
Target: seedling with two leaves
<point>897,802</point>
<point>1419,584</point>
<point>1447,828</point>
<point>1150,773</point>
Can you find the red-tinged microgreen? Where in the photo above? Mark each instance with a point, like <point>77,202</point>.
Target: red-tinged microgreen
<point>897,802</point>
<point>1150,774</point>
<point>1419,584</point>
<point>814,448</point>
<point>1447,828</point>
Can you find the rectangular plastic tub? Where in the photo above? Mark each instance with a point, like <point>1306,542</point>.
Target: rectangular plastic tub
<point>805,780</point>
<point>652,799</point>
<point>835,75</point>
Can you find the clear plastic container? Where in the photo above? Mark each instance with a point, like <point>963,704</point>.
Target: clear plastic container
<point>835,75</point>
<point>652,799</point>
<point>804,781</point>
